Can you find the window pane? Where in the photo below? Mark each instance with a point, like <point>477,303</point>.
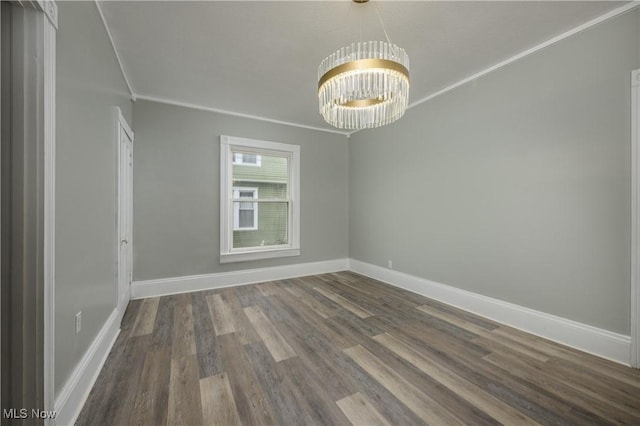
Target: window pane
<point>259,186</point>
<point>246,218</point>
<point>270,175</point>
<point>249,158</point>
<point>272,226</point>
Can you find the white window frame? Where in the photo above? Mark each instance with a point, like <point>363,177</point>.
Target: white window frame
<point>238,158</point>
<point>236,208</point>
<point>229,144</point>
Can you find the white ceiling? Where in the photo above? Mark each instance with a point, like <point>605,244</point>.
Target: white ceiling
<point>261,58</point>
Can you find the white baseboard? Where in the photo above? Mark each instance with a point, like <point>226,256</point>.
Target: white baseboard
<point>75,392</point>
<point>166,286</point>
<point>603,343</point>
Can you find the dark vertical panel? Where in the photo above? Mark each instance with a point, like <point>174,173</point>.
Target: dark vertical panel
<point>22,247</point>
<point>5,202</point>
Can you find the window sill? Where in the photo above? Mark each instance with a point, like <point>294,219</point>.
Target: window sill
<point>257,255</point>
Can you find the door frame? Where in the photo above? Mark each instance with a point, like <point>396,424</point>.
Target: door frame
<point>635,219</point>
<point>121,124</point>
<point>34,67</point>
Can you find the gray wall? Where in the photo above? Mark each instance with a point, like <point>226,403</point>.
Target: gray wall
<point>514,186</point>
<point>89,86</point>
<point>176,190</point>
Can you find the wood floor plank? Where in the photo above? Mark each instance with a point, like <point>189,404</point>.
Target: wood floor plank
<point>305,382</point>
<point>497,340</point>
<point>354,332</point>
<point>360,411</point>
<point>440,323</point>
<point>499,346</point>
<point>337,374</point>
<point>163,328</point>
<point>455,320</point>
<point>249,396</point>
<point>567,356</point>
<point>273,340</point>
<point>317,307</point>
<point>118,404</point>
<point>368,294</point>
<point>500,411</point>
<point>346,304</point>
<point>462,409</point>
<point>284,399</point>
<point>150,407</point>
<point>536,403</point>
<point>366,301</point>
<point>292,391</point>
<point>249,295</point>
<point>296,313</point>
<point>607,382</point>
<point>291,355</point>
<point>183,338</point>
<point>580,396</point>
<point>321,358</point>
<point>467,316</point>
<point>184,407</point>
<point>426,408</point>
<point>207,345</point>
<point>269,289</point>
<point>103,400</point>
<point>384,288</point>
<point>146,317</point>
<point>244,329</point>
<point>129,317</point>
<point>447,342</point>
<point>218,404</point>
<point>222,315</point>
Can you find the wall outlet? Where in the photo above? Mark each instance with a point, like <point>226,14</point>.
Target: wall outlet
<point>390,264</point>
<point>78,322</point>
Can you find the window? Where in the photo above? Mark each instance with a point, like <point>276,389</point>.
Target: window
<point>247,159</point>
<point>260,204</point>
<point>245,214</point>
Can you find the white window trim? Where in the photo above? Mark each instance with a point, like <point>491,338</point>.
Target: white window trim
<point>241,162</point>
<point>236,209</point>
<point>228,254</point>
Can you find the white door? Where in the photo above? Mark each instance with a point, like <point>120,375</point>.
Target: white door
<point>125,212</point>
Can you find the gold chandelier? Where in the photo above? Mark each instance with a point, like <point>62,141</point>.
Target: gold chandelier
<point>364,85</point>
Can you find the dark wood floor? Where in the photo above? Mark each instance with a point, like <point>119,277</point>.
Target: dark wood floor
<point>340,348</point>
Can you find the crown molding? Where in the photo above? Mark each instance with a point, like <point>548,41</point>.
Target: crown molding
<point>611,14</point>
<point>115,50</point>
<point>236,114</point>
<point>50,9</point>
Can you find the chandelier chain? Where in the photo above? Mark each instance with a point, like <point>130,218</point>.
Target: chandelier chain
<point>382,23</point>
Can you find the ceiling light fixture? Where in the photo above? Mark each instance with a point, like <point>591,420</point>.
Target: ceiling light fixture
<point>364,85</point>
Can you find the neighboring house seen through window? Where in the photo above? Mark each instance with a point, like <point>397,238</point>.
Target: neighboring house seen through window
<point>245,214</point>
<point>247,159</point>
<point>260,199</point>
